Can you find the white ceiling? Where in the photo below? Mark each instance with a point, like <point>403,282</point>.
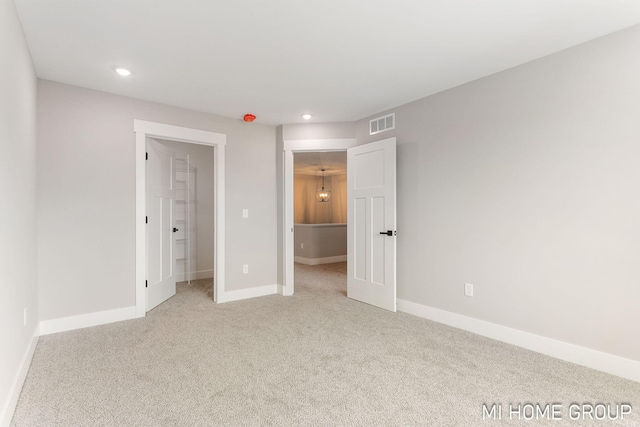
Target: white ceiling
<point>340,60</point>
<point>312,163</point>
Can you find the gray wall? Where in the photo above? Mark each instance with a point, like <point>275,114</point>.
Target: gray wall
<point>320,240</point>
<point>201,157</point>
<point>86,196</point>
<point>525,183</point>
<point>307,209</point>
<point>18,285</point>
<point>294,132</point>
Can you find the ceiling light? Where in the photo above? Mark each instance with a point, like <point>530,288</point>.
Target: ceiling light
<point>323,195</point>
<point>123,72</point>
<point>306,116</point>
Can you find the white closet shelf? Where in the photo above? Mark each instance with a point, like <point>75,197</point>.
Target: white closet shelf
<point>184,182</point>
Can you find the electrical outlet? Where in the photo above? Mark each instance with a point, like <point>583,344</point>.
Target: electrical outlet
<point>245,213</point>
<point>301,245</point>
<point>25,316</point>
<point>245,269</point>
<point>468,289</point>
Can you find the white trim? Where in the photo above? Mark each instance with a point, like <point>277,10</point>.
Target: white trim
<point>141,226</point>
<point>327,225</point>
<point>9,406</point>
<point>291,146</point>
<point>144,130</point>
<point>249,293</point>
<point>287,285</point>
<point>178,133</point>
<point>220,230</point>
<point>318,261</point>
<point>609,363</point>
<point>80,321</point>
<point>195,275</point>
<point>319,144</point>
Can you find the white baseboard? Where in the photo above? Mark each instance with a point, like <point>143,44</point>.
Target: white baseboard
<point>609,363</point>
<point>195,275</point>
<point>247,293</point>
<point>285,291</point>
<point>9,406</point>
<point>318,261</point>
<point>86,320</point>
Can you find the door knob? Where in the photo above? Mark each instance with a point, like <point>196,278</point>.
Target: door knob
<point>388,233</point>
<point>175,229</point>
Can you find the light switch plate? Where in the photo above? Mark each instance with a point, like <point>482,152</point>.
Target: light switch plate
<point>468,289</point>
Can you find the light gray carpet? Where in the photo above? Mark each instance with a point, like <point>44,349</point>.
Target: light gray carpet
<point>314,359</point>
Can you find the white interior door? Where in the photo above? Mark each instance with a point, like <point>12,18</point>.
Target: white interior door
<point>371,210</point>
<point>161,279</point>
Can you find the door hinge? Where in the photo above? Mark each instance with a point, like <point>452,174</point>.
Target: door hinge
<point>146,157</point>
<point>146,220</point>
<point>146,284</point>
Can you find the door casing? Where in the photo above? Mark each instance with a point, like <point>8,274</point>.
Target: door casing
<point>291,147</point>
<point>143,130</point>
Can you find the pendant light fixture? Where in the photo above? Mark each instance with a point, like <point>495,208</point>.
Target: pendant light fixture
<point>323,195</point>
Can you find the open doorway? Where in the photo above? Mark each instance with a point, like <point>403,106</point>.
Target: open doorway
<point>292,148</point>
<point>194,221</point>
<point>320,219</point>
<point>371,218</point>
<point>145,131</point>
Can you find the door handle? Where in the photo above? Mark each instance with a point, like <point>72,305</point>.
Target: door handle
<point>175,229</point>
<point>388,233</point>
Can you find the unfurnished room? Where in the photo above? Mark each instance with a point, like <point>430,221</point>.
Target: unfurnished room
<point>332,213</point>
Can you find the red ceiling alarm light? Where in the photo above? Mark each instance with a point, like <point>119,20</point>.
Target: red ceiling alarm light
<point>249,118</point>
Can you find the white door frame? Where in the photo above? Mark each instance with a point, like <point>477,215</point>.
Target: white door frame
<point>144,130</point>
<point>299,146</point>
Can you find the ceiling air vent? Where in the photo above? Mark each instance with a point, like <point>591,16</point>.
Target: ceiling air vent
<point>382,124</point>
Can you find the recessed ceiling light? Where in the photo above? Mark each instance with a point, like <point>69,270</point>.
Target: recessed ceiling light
<point>306,116</point>
<point>123,72</point>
